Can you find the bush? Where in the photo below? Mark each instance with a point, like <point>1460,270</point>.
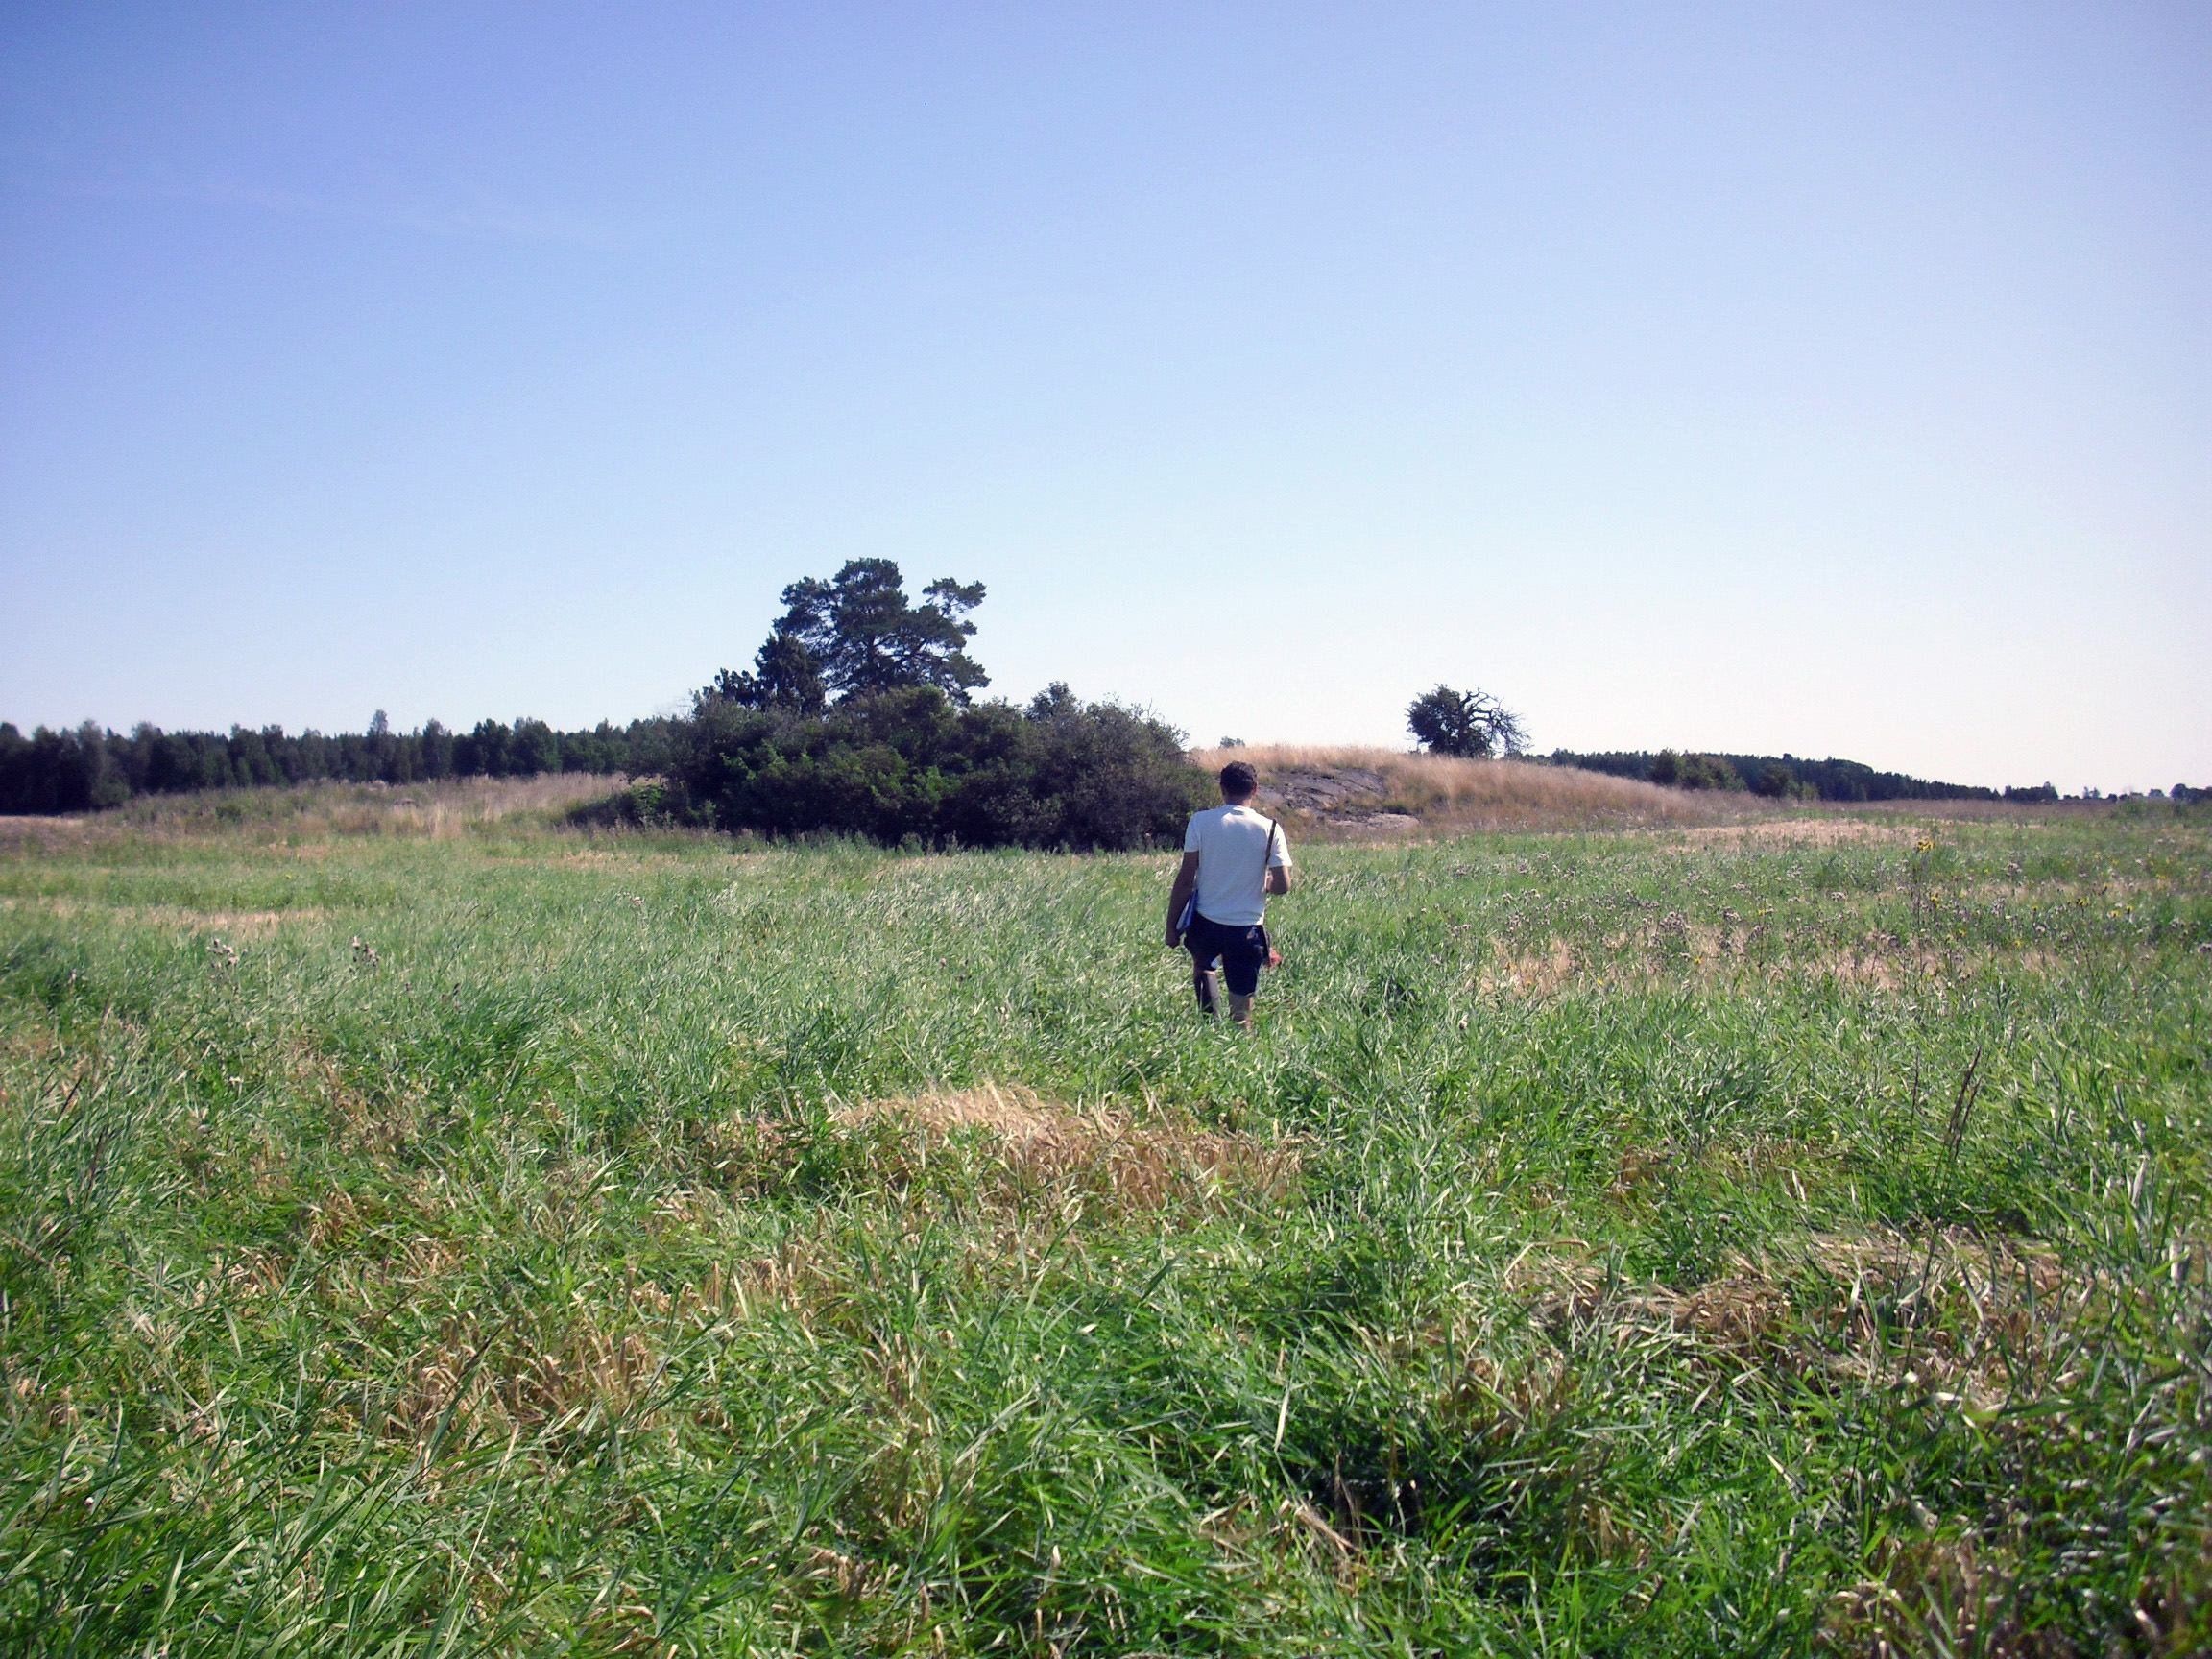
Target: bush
<point>1779,782</point>
<point>910,766</point>
<point>1694,772</point>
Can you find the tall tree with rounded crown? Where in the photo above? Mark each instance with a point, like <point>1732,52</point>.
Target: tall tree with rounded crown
<point>858,632</point>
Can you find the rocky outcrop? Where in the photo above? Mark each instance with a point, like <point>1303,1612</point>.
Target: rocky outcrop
<point>1323,792</point>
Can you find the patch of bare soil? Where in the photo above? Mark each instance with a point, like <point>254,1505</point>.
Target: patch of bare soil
<point>1149,1165</point>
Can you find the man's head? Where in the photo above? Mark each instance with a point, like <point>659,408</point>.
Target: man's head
<point>1238,782</point>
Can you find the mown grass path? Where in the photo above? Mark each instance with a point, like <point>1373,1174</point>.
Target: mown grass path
<point>1766,1240</point>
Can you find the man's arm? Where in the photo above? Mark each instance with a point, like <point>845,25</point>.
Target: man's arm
<point>1178,896</point>
<point>1279,879</point>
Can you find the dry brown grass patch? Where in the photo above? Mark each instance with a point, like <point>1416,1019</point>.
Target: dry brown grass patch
<point>588,1371</point>
<point>379,1123</point>
<point>1536,973</point>
<point>1740,1315</point>
<point>1147,1165</point>
<point>1953,1589</point>
<point>1352,792</point>
<point>39,834</point>
<point>232,924</point>
<point>1950,1316</point>
<point>502,1380</point>
<point>1824,830</point>
<point>1671,948</point>
<point>334,1219</point>
<point>444,810</point>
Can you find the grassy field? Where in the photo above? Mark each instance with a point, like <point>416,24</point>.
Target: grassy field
<point>1788,1236</point>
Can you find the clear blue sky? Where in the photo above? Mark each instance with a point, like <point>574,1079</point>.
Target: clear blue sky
<point>1830,378</point>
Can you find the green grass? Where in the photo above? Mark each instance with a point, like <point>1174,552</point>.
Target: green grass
<point>1607,1244</point>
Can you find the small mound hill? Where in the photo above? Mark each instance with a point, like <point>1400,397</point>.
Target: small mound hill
<point>1357,792</point>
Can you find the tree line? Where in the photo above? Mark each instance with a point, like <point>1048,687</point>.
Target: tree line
<point>1787,777</point>
<point>89,767</point>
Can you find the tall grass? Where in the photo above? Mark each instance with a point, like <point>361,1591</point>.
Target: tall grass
<point>1654,1243</point>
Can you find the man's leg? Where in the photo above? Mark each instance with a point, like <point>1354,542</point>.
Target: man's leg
<point>1203,980</point>
<point>1240,963</point>
<point>1207,984</point>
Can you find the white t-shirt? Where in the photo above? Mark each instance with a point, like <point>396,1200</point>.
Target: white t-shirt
<point>1234,858</point>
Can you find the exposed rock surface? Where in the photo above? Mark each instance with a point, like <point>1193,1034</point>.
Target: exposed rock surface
<point>1322,791</point>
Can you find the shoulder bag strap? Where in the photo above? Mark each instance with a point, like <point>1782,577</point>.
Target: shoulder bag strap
<point>1273,829</point>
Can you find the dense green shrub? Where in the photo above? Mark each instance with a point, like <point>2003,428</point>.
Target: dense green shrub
<point>912,763</point>
<point>1694,772</point>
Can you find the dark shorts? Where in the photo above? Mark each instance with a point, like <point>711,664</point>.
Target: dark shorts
<point>1242,953</point>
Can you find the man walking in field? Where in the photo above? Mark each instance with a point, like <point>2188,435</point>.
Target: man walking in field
<point>1232,857</point>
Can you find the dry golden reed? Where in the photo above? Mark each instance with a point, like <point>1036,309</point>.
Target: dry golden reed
<point>445,810</point>
<point>1449,794</point>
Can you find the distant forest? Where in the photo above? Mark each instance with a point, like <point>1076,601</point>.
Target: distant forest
<point>89,767</point>
<point>1789,776</point>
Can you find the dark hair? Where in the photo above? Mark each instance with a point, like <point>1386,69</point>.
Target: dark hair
<point>1237,778</point>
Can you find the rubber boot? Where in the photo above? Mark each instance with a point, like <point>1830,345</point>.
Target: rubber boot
<point>1208,985</point>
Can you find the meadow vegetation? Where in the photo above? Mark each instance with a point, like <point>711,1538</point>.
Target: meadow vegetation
<point>1775,1233</point>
